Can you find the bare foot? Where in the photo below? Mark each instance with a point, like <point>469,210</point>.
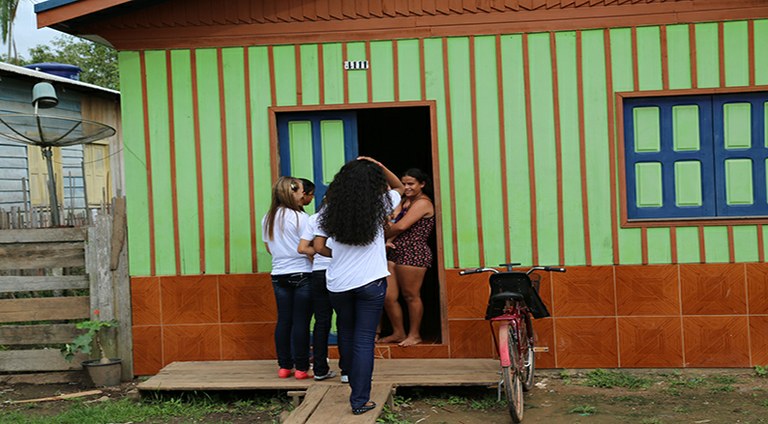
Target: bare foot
<point>393,338</point>
<point>410,341</point>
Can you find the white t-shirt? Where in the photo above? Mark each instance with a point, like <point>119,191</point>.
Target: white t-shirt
<point>320,262</point>
<point>285,258</point>
<point>356,266</point>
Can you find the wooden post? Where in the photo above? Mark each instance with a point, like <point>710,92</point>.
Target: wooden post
<point>100,276</point>
<point>122,286</point>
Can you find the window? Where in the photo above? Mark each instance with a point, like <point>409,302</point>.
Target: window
<point>696,156</point>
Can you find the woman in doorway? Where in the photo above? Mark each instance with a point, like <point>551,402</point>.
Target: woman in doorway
<point>409,258</point>
<point>351,232</point>
<point>291,275</point>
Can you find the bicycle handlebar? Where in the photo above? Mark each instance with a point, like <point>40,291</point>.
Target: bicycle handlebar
<point>509,268</point>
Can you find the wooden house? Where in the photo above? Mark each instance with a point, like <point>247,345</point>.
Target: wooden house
<point>623,139</point>
<point>90,173</point>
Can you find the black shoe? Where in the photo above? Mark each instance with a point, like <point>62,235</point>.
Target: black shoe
<point>365,408</point>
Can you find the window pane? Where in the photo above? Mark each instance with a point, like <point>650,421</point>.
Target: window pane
<point>765,119</point>
<point>685,120</point>
<point>332,140</point>
<point>688,183</point>
<point>738,182</point>
<point>301,148</point>
<point>647,133</point>
<point>648,185</point>
<point>737,125</point>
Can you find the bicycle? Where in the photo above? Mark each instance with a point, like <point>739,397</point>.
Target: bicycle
<point>514,298</point>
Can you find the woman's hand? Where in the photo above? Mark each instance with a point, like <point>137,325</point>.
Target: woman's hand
<point>392,179</point>
<point>370,159</point>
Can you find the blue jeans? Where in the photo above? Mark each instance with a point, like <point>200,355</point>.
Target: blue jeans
<point>321,307</point>
<point>358,312</point>
<point>293,293</point>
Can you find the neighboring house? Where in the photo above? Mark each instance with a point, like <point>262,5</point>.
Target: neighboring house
<point>92,171</point>
<point>625,140</point>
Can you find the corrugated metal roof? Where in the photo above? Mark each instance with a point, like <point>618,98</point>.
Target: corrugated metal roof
<point>7,68</point>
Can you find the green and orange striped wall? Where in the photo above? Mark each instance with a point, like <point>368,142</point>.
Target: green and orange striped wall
<point>525,138</point>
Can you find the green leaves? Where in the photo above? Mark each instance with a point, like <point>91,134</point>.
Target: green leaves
<point>98,62</point>
<point>83,343</point>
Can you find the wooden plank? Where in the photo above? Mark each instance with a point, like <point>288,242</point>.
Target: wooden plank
<point>41,255</point>
<point>10,284</point>
<point>37,360</point>
<point>42,235</point>
<point>43,308</point>
<point>309,405</point>
<point>121,283</point>
<point>59,397</point>
<point>335,406</point>
<point>55,377</point>
<point>37,334</point>
<point>254,375</point>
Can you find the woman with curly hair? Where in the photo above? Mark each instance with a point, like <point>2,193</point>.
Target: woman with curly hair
<point>291,273</point>
<point>351,231</point>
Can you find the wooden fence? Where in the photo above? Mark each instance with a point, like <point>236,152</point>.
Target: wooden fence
<point>53,278</point>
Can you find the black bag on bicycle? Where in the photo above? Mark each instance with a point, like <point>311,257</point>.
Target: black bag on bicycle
<point>515,282</point>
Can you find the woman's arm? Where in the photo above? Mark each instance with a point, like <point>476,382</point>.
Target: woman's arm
<point>419,209</point>
<point>321,248</point>
<point>305,247</point>
<point>392,179</point>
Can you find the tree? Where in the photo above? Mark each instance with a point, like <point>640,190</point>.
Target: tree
<point>98,62</point>
<point>7,16</point>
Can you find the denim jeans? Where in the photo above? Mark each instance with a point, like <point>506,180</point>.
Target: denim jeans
<point>321,307</point>
<point>358,312</point>
<point>293,293</point>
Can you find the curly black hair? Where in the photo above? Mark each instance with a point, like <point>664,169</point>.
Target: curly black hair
<point>355,207</point>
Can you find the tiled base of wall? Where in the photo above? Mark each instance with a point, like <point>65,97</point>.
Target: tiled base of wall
<point>612,316</point>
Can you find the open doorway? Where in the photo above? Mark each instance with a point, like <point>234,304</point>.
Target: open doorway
<point>400,138</point>
<point>315,144</point>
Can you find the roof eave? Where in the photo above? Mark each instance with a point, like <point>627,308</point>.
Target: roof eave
<point>57,13</point>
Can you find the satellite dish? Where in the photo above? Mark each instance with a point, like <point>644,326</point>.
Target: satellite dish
<point>47,132</point>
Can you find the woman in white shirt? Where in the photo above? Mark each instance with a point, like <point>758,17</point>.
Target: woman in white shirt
<point>291,273</point>
<point>351,231</point>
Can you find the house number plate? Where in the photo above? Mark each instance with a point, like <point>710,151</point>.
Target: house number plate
<point>351,65</point>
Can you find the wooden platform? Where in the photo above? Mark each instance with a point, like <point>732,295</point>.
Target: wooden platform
<point>324,401</point>
<point>262,375</point>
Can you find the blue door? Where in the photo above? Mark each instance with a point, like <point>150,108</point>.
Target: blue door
<point>315,145</point>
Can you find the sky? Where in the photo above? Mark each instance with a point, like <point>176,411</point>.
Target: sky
<point>25,29</point>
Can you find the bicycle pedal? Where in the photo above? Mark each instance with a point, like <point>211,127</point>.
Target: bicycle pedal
<point>540,349</point>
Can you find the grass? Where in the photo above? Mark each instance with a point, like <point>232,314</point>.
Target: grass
<point>187,409</point>
<point>609,379</point>
<point>761,371</point>
<point>583,410</point>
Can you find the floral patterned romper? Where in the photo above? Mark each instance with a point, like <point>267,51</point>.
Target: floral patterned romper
<point>411,247</point>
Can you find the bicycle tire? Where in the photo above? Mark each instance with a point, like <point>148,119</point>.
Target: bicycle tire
<point>529,357</point>
<point>513,384</point>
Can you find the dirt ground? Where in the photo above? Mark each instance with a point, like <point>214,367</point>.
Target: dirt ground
<point>559,397</point>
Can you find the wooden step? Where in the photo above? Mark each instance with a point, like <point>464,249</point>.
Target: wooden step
<point>312,398</point>
<point>333,405</point>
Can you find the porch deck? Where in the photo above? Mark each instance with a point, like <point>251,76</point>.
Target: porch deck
<point>262,375</point>
<point>326,399</point>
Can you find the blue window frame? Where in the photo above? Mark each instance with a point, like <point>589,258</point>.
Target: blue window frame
<point>318,146</point>
<point>696,156</point>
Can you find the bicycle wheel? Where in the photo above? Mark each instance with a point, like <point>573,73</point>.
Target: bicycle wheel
<point>513,383</point>
<point>529,358</point>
